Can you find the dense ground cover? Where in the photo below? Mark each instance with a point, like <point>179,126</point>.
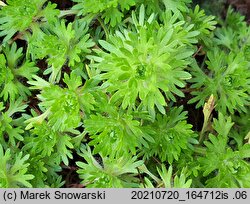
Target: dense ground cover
<point>124,93</point>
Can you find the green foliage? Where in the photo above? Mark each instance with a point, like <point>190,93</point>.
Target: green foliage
<point>203,23</point>
<point>109,172</point>
<point>62,105</point>
<point>146,64</point>
<point>20,16</point>
<point>115,132</point>
<point>234,33</point>
<point>62,45</point>
<point>110,11</point>
<point>14,70</point>
<point>161,5</point>
<point>171,135</point>
<point>224,166</point>
<point>46,142</point>
<point>227,78</point>
<point>226,75</point>
<point>48,150</point>
<point>13,170</point>
<point>167,181</point>
<point>110,94</point>
<point>174,6</point>
<point>11,129</point>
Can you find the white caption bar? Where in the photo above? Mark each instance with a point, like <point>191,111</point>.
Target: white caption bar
<point>105,196</point>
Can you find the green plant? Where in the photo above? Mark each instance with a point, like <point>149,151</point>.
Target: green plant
<point>203,23</point>
<point>13,170</point>
<point>224,166</point>
<point>61,45</point>
<point>171,135</point>
<point>114,131</point>
<point>109,171</point>
<point>11,129</point>
<point>110,11</point>
<point>166,179</point>
<point>136,67</point>
<point>226,75</point>
<point>133,93</point>
<point>14,70</point>
<point>62,106</point>
<point>227,79</point>
<point>34,14</point>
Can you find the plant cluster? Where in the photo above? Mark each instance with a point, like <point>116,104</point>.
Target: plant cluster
<point>106,90</point>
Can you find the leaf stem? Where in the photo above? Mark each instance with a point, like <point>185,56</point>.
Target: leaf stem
<point>203,130</point>
<point>144,169</point>
<point>67,13</point>
<point>103,26</point>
